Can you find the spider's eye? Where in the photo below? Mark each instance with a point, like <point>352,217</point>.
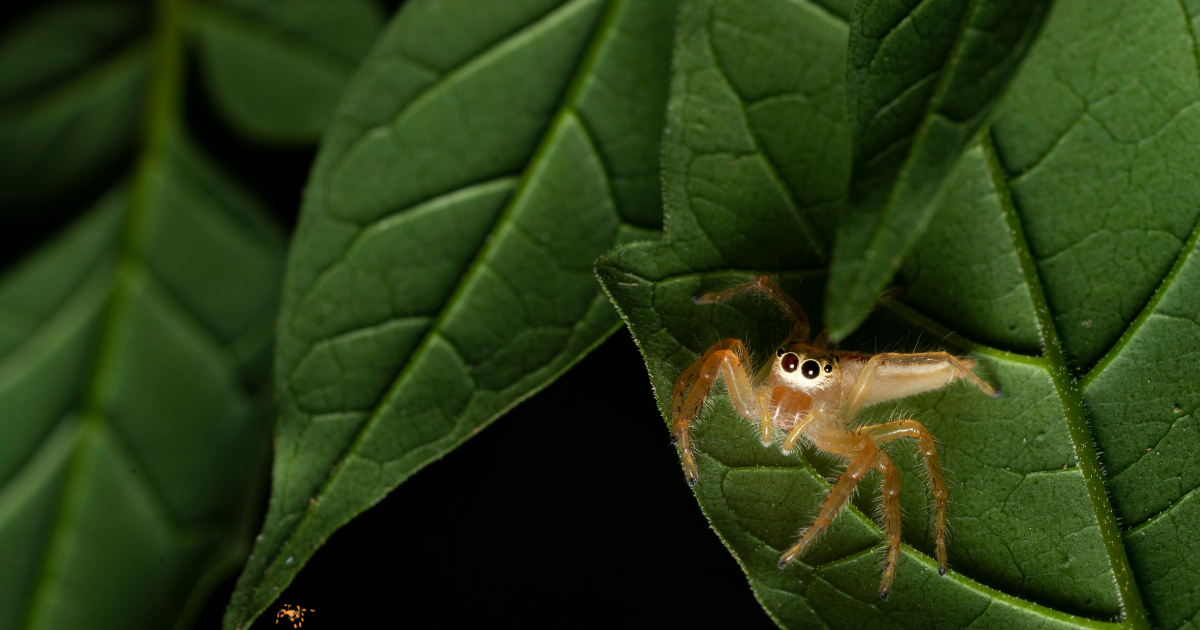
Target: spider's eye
<point>810,369</point>
<point>779,352</point>
<point>828,368</point>
<point>790,362</point>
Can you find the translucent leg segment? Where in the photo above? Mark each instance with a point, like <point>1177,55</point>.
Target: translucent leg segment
<point>937,485</point>
<point>863,452</point>
<point>891,520</point>
<point>693,386</point>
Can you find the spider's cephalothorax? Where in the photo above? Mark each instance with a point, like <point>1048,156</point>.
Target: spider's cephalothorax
<point>813,391</point>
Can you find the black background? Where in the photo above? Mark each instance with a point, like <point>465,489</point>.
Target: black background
<point>571,510</point>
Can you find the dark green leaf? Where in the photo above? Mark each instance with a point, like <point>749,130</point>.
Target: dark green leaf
<point>1084,207</point>
<point>131,348</point>
<point>922,78</point>
<point>484,156</point>
<point>134,347</point>
<point>71,84</point>
<point>275,70</point>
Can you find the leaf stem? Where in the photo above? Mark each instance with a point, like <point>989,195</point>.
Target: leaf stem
<point>1072,402</point>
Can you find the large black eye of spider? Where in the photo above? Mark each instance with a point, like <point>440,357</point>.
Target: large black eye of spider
<point>790,362</point>
<point>810,369</point>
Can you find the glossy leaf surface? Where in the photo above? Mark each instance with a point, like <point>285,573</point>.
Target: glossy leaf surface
<point>1014,261</point>
<point>921,80</point>
<point>484,156</point>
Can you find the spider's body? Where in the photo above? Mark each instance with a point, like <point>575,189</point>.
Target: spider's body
<point>294,614</point>
<point>814,392</point>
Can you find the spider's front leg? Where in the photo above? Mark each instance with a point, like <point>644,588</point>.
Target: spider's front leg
<point>863,451</point>
<point>892,375</point>
<point>693,385</point>
<point>891,520</point>
<point>888,431</point>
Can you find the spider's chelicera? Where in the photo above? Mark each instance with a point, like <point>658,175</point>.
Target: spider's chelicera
<point>815,392</point>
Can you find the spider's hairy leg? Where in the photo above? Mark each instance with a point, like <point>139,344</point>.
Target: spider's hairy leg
<point>722,359</point>
<point>766,286</point>
<point>937,485</point>
<point>891,520</point>
<point>862,451</point>
<point>891,375</point>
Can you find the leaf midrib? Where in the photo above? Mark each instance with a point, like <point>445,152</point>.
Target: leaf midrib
<point>567,108</point>
<point>160,119</point>
<point>1070,394</point>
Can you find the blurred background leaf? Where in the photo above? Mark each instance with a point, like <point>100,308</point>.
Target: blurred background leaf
<point>135,342</point>
<point>275,69</point>
<point>72,80</point>
<point>484,156</point>
<point>1046,226</point>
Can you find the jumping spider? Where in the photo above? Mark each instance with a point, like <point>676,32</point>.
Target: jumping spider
<point>294,614</point>
<point>815,392</point>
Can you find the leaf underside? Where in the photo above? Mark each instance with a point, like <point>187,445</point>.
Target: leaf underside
<point>485,155</point>
<point>1062,254</point>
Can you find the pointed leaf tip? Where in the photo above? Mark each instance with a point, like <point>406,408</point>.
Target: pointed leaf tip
<point>922,80</point>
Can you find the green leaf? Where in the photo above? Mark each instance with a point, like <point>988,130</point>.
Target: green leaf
<point>1062,252</point>
<point>128,377</point>
<point>135,347</point>
<point>71,84</point>
<point>922,79</point>
<point>275,70</point>
<point>484,156</point>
